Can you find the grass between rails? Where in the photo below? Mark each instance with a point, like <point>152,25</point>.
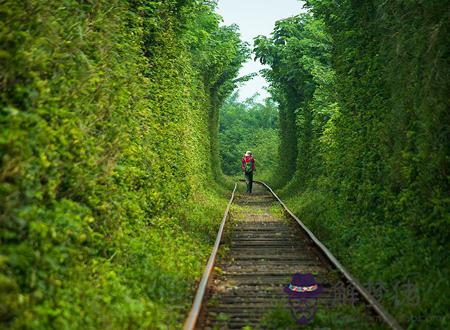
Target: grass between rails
<point>280,317</point>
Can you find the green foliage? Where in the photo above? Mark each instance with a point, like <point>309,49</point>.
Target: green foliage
<point>363,90</point>
<point>248,126</point>
<point>298,54</point>
<point>107,211</point>
<point>279,317</point>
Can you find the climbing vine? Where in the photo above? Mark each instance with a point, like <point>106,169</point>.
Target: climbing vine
<point>363,91</point>
<point>107,116</point>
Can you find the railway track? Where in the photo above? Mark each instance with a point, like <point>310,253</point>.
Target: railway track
<point>259,248</point>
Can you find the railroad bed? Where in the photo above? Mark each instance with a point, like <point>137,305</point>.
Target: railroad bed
<point>261,249</point>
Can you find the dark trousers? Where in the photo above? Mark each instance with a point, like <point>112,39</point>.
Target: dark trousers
<point>249,181</point>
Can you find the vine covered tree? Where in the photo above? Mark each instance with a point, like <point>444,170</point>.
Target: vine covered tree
<point>108,124</point>
<point>363,90</point>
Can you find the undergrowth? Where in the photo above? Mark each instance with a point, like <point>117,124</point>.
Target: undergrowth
<point>404,273</point>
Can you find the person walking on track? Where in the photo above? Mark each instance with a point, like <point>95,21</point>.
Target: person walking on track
<point>248,166</point>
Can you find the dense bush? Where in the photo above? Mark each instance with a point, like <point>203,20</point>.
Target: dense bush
<point>367,83</point>
<point>107,114</point>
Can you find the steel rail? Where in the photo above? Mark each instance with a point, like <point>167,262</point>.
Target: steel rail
<point>380,311</point>
<point>192,318</point>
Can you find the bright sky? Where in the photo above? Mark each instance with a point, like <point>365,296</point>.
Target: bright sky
<point>256,17</point>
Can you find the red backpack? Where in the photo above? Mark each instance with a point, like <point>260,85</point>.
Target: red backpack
<point>248,164</point>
